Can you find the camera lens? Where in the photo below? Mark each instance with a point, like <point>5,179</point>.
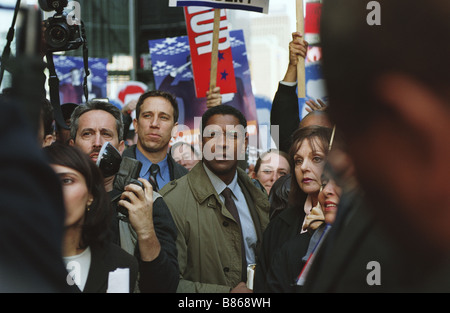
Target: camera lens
<point>57,36</point>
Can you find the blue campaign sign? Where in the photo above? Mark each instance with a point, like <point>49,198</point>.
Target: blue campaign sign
<point>315,86</point>
<point>261,6</point>
<point>70,71</point>
<point>314,81</point>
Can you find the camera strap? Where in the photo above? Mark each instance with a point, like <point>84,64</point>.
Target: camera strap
<point>86,63</point>
<point>53,83</point>
<point>9,38</point>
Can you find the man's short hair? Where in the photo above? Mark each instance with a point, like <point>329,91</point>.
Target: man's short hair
<point>159,93</point>
<point>96,105</point>
<point>223,109</point>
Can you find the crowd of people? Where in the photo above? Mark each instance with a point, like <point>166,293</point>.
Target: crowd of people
<point>358,181</point>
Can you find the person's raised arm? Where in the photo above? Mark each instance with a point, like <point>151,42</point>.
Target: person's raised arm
<point>285,112</point>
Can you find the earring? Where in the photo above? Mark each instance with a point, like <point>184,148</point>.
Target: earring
<point>88,205</point>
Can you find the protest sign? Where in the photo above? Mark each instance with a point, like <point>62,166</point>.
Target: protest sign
<point>312,21</point>
<point>200,33</point>
<point>173,73</point>
<point>70,71</point>
<point>261,6</point>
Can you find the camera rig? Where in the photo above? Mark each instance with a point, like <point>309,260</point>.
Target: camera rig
<point>58,35</point>
<point>63,31</point>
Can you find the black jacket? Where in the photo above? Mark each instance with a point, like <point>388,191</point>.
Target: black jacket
<point>287,264</point>
<point>161,274</point>
<point>280,230</point>
<point>286,114</point>
<point>359,248</point>
<point>105,259</point>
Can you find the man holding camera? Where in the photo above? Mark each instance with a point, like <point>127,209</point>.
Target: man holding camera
<point>150,232</point>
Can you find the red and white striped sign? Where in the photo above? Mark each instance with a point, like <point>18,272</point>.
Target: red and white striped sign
<point>200,27</point>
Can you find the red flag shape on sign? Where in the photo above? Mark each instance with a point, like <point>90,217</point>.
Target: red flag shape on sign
<point>199,24</point>
<point>312,17</point>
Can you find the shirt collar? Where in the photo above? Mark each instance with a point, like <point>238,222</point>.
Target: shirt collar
<point>218,184</point>
<point>146,163</point>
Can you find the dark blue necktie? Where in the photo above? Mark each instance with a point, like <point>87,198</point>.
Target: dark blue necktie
<point>154,170</point>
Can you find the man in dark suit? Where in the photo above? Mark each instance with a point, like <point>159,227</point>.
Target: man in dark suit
<point>393,233</point>
<point>156,117</point>
<point>151,239</point>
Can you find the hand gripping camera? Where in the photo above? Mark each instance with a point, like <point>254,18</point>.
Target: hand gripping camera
<point>60,35</point>
<point>126,171</point>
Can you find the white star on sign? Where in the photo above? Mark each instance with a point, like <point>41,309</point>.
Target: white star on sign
<point>170,41</point>
<point>160,63</point>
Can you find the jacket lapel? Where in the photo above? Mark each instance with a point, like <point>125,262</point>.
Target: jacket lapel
<point>201,191</point>
<point>97,280</point>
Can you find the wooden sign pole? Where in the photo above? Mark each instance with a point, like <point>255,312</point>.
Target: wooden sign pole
<point>215,50</point>
<point>301,61</point>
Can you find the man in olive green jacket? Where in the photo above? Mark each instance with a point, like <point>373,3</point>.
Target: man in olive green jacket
<point>214,248</point>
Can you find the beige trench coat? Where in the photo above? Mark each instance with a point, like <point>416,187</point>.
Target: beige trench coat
<point>208,242</point>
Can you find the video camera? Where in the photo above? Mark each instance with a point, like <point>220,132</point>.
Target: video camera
<point>62,32</point>
<point>60,35</point>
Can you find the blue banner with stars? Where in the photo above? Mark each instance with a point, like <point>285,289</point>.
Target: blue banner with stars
<point>173,73</point>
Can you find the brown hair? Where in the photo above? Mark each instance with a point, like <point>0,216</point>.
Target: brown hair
<point>162,94</point>
<point>96,229</point>
<point>316,135</point>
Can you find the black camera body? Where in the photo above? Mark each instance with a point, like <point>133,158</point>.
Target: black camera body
<point>125,170</point>
<point>61,36</point>
<point>128,174</point>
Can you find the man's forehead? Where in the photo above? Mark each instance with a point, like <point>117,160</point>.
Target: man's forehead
<point>97,120</point>
<point>157,104</point>
<point>96,116</point>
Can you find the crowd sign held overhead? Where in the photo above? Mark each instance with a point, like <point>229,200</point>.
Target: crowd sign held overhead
<point>199,26</point>
<point>253,5</point>
<point>173,73</point>
<point>261,6</point>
